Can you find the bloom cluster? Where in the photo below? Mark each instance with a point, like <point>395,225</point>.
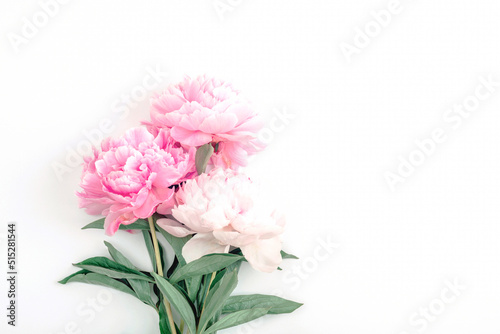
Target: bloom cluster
<point>179,175</point>
<point>153,169</point>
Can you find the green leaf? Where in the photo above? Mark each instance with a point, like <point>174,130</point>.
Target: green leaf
<point>217,297</point>
<point>275,304</point>
<point>285,255</point>
<point>203,154</point>
<point>143,291</point>
<point>66,279</point>
<point>219,275</point>
<point>99,224</point>
<point>202,292</point>
<point>178,301</point>
<point>105,266</point>
<point>176,243</point>
<point>139,224</point>
<point>235,266</point>
<point>237,318</point>
<point>193,285</point>
<point>98,279</point>
<point>141,288</point>
<point>118,256</point>
<point>205,265</point>
<point>215,318</point>
<point>164,324</point>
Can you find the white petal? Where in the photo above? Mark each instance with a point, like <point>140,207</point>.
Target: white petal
<point>190,218</point>
<point>202,244</point>
<point>214,218</point>
<point>234,238</point>
<point>174,227</point>
<point>264,255</point>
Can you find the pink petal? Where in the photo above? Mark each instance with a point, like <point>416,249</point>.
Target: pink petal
<point>148,207</point>
<point>167,102</point>
<point>242,111</point>
<point>191,89</point>
<point>136,136</point>
<point>234,153</point>
<point>163,137</point>
<point>167,176</point>
<point>219,123</point>
<point>164,194</point>
<point>165,208</point>
<point>191,138</point>
<point>112,223</point>
<point>193,115</point>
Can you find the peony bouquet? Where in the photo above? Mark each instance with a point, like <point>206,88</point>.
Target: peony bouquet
<point>178,176</point>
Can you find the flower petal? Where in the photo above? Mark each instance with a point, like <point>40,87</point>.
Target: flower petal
<point>202,244</point>
<point>191,138</point>
<point>174,227</point>
<point>219,123</point>
<point>136,136</point>
<point>263,255</point>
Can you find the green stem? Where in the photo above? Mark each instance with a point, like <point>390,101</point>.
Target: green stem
<point>160,272</point>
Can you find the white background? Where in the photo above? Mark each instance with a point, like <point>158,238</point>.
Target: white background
<point>325,168</point>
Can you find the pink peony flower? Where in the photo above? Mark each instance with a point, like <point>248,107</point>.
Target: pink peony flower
<point>219,208</point>
<point>131,175</point>
<point>203,110</point>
